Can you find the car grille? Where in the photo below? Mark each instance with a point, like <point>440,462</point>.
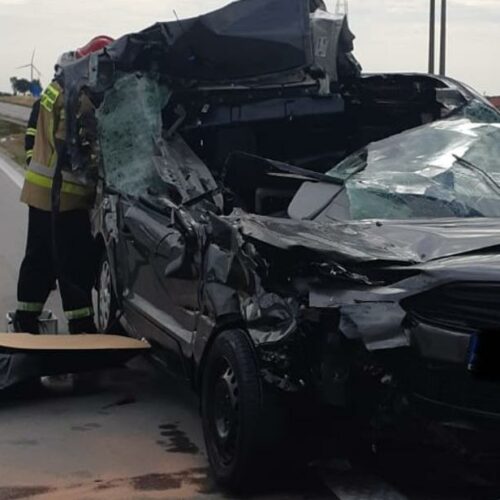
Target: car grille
<point>461,306</point>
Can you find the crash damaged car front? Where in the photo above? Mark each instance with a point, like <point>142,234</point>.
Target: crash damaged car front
<point>284,229</point>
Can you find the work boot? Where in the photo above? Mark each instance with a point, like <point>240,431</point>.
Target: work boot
<point>82,325</point>
<point>26,322</point>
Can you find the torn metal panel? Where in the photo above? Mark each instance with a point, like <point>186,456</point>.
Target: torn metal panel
<point>421,240</point>
<point>338,242</point>
<point>371,312</point>
<point>258,44</point>
<point>186,175</point>
<point>379,325</point>
<point>269,317</point>
<point>456,294</point>
<point>271,34</point>
<point>225,276</point>
<point>274,35</point>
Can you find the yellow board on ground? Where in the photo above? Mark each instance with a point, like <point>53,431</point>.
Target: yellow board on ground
<point>28,342</point>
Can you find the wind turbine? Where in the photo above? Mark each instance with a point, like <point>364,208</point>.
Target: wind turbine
<point>32,66</point>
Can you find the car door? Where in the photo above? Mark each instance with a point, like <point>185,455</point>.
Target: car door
<point>160,295</point>
<point>161,250</point>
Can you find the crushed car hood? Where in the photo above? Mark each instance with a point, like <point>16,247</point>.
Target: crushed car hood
<point>404,242</point>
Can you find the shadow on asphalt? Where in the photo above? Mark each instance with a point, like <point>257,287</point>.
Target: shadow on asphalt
<point>414,468</point>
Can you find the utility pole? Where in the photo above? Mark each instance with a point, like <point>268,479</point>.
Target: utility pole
<point>444,23</point>
<point>432,37</point>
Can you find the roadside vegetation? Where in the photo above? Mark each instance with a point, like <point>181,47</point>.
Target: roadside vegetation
<point>12,141</point>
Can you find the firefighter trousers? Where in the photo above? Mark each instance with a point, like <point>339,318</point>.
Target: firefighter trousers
<point>74,269</point>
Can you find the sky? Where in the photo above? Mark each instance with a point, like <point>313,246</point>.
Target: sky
<point>392,35</point>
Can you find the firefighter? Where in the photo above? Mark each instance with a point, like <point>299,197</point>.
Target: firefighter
<point>69,232</point>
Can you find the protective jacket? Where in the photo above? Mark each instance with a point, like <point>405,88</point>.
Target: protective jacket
<point>77,191</point>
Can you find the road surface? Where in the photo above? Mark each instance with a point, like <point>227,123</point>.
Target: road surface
<point>138,436</point>
<point>14,113</point>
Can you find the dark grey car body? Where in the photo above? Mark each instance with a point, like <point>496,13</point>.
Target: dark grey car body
<point>209,239</point>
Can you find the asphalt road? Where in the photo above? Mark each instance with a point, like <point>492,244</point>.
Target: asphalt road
<point>12,112</point>
<point>137,435</point>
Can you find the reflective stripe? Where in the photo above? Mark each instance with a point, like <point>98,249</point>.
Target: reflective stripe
<point>49,172</point>
<point>29,154</point>
<point>46,182</point>
<point>31,131</point>
<point>79,313</point>
<point>49,97</point>
<point>30,306</point>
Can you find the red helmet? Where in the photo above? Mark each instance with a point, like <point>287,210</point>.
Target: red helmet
<point>97,43</point>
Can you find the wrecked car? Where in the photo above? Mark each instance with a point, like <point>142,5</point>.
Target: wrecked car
<point>279,226</point>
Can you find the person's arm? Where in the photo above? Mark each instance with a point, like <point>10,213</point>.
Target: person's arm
<point>29,138</point>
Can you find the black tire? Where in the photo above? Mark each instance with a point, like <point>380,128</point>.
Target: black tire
<point>107,310</point>
<point>234,420</point>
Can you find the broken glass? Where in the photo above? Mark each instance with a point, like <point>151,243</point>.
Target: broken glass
<point>130,125</point>
<point>479,111</point>
<point>421,173</point>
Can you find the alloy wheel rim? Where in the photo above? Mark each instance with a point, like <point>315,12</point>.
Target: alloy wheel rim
<point>225,421</point>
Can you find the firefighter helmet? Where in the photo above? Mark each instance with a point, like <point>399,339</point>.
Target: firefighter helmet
<point>97,43</point>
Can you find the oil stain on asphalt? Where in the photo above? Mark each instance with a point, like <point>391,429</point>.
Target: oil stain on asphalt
<point>196,477</point>
<point>178,441</point>
<point>86,427</point>
<point>15,493</point>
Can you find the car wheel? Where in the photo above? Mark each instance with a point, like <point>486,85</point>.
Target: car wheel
<point>232,412</point>
<point>107,305</point>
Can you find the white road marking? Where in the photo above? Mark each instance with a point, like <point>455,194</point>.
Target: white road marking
<point>11,173</point>
<point>360,487</point>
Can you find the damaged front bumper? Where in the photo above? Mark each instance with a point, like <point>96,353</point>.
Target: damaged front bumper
<point>426,360</point>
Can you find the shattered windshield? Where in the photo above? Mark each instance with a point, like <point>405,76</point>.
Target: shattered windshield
<point>137,158</point>
<point>448,168</point>
<point>129,126</point>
